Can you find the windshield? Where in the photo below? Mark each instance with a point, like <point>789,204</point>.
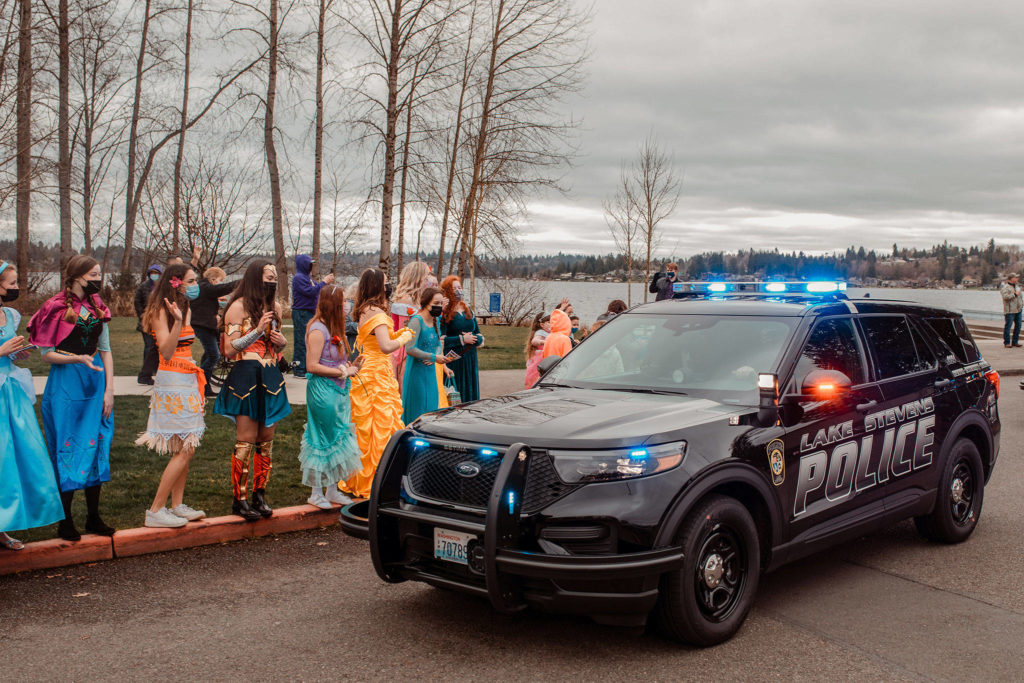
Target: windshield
<point>709,356</point>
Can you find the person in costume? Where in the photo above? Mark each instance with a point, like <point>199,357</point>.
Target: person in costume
<point>78,402</point>
<point>535,347</point>
<point>461,335</point>
<point>423,357</point>
<point>411,281</point>
<point>176,423</point>
<point>29,496</point>
<point>559,342</point>
<point>253,396</point>
<point>329,451</point>
<point>376,402</point>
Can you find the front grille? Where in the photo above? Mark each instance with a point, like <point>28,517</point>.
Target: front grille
<point>432,475</point>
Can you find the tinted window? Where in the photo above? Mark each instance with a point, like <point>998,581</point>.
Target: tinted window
<point>970,348</point>
<point>831,346</point>
<point>892,346</point>
<point>924,350</point>
<point>943,327</point>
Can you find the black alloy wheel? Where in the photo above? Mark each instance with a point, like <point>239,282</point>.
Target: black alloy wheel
<point>960,495</point>
<point>706,601</point>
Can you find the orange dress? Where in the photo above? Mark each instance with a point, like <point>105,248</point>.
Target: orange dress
<point>376,402</point>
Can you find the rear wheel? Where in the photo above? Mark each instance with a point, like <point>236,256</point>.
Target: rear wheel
<point>706,601</point>
<point>961,492</point>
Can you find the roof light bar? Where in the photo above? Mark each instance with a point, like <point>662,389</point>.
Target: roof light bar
<point>793,287</point>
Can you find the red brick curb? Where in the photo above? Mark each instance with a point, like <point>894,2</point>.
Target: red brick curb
<point>142,541</point>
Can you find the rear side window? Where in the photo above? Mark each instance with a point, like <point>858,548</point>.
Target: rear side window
<point>892,346</point>
<point>953,331</point>
<point>831,346</point>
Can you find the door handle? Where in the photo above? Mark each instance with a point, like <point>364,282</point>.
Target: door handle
<point>942,383</point>
<point>866,406</point>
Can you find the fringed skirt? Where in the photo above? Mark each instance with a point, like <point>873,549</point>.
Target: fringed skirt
<point>176,420</point>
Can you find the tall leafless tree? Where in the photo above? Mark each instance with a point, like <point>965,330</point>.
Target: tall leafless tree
<point>653,189</point>
<point>620,213</point>
<point>23,205</point>
<point>189,11</point>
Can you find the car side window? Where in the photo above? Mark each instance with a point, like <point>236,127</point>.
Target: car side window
<point>925,354</point>
<point>946,331</point>
<point>892,345</point>
<point>831,346</point>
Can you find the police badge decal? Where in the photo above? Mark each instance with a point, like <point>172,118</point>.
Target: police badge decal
<point>777,461</point>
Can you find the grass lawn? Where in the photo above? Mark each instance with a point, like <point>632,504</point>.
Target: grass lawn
<point>135,471</point>
<point>504,350</point>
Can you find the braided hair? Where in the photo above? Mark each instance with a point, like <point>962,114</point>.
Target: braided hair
<point>78,265</point>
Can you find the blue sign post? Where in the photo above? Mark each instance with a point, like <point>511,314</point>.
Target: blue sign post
<point>495,303</point>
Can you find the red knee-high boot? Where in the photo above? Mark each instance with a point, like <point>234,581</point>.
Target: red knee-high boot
<point>261,475</point>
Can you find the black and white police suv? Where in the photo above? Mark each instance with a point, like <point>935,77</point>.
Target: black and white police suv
<point>686,447</point>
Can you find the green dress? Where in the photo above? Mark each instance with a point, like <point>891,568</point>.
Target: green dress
<point>466,368</point>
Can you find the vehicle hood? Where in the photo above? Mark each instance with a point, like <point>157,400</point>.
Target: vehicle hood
<point>557,417</point>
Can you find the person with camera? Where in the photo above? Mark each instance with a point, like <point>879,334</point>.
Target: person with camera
<point>661,286</point>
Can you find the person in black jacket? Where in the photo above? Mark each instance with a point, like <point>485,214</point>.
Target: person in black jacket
<point>150,358</point>
<point>204,318</point>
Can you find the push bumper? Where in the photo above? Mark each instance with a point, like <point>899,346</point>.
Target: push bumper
<point>617,588</point>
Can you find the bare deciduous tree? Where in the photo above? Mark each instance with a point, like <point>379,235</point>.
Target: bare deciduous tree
<point>654,191</point>
<point>23,206</point>
<point>620,214</point>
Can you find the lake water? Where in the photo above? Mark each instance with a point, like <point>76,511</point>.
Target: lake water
<point>590,299</point>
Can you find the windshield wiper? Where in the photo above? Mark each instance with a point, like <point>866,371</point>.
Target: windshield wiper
<point>644,390</point>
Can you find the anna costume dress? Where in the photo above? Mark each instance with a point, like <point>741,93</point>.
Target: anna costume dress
<point>376,402</point>
<point>28,488</point>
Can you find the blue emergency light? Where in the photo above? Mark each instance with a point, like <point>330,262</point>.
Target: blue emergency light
<point>790,287</point>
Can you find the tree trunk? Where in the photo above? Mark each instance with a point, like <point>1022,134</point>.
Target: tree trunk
<point>405,177</point>
<point>23,134</point>
<point>280,257</point>
<point>318,153</point>
<point>179,159</point>
<point>64,133</point>
<point>390,136</point>
<point>131,199</point>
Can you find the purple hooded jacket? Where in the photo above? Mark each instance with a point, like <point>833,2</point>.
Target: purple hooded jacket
<point>305,292</point>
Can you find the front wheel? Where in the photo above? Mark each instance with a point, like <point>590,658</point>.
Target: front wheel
<point>706,601</point>
<point>961,492</point>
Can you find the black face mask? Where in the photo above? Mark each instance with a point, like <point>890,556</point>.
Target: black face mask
<point>387,290</point>
<point>11,295</point>
<point>92,287</point>
<point>269,289</point>
<point>436,311</point>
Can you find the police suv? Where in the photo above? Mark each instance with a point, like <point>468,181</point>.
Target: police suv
<point>687,446</point>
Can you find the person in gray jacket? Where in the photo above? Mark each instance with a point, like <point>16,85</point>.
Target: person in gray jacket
<point>1010,290</point>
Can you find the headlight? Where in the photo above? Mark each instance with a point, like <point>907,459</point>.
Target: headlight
<point>613,465</point>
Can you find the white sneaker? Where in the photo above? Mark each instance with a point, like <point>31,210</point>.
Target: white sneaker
<point>336,496</point>
<point>187,512</point>
<point>164,519</point>
<point>318,499</point>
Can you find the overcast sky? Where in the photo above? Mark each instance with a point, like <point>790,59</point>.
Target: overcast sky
<point>804,124</point>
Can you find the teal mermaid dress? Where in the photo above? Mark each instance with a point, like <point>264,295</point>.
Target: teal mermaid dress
<point>28,488</point>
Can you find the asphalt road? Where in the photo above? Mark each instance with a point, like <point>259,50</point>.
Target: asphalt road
<point>308,606</point>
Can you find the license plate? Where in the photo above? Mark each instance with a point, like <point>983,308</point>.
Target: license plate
<point>452,546</point>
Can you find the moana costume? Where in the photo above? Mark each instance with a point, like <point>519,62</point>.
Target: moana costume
<point>176,409</point>
<point>254,388</point>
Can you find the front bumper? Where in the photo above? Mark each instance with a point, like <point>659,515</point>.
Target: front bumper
<point>613,588</point>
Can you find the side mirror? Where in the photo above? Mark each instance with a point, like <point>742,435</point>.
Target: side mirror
<point>547,364</point>
<point>768,399</point>
<point>825,385</point>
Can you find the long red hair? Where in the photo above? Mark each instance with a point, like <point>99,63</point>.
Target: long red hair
<point>454,305</point>
<point>330,310</point>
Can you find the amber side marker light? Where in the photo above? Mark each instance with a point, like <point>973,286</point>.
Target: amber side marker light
<point>993,378</point>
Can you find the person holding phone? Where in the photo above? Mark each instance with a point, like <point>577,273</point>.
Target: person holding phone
<point>78,402</point>
<point>329,451</point>
<point>28,487</point>
<point>462,335</point>
<point>253,396</point>
<point>423,354</point>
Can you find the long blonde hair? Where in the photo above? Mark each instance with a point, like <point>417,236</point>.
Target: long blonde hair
<point>410,281</point>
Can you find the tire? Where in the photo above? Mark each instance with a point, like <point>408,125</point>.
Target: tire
<point>696,605</point>
<point>960,495</point>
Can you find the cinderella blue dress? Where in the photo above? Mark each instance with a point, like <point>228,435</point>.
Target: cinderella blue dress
<point>28,488</point>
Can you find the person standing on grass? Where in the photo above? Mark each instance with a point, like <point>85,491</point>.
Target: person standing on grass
<point>330,450</point>
<point>204,310</point>
<point>376,402</point>
<point>176,423</point>
<point>78,402</point>
<point>28,488</point>
<point>462,335</point>
<point>539,332</point>
<point>1010,292</point>
<point>253,396</point>
<point>149,354</point>
<point>423,356</point>
<point>404,305</point>
<point>304,295</point>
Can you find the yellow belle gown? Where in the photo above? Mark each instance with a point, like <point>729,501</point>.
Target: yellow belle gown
<point>376,402</point>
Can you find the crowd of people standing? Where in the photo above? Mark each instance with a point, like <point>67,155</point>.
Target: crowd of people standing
<point>374,363</point>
